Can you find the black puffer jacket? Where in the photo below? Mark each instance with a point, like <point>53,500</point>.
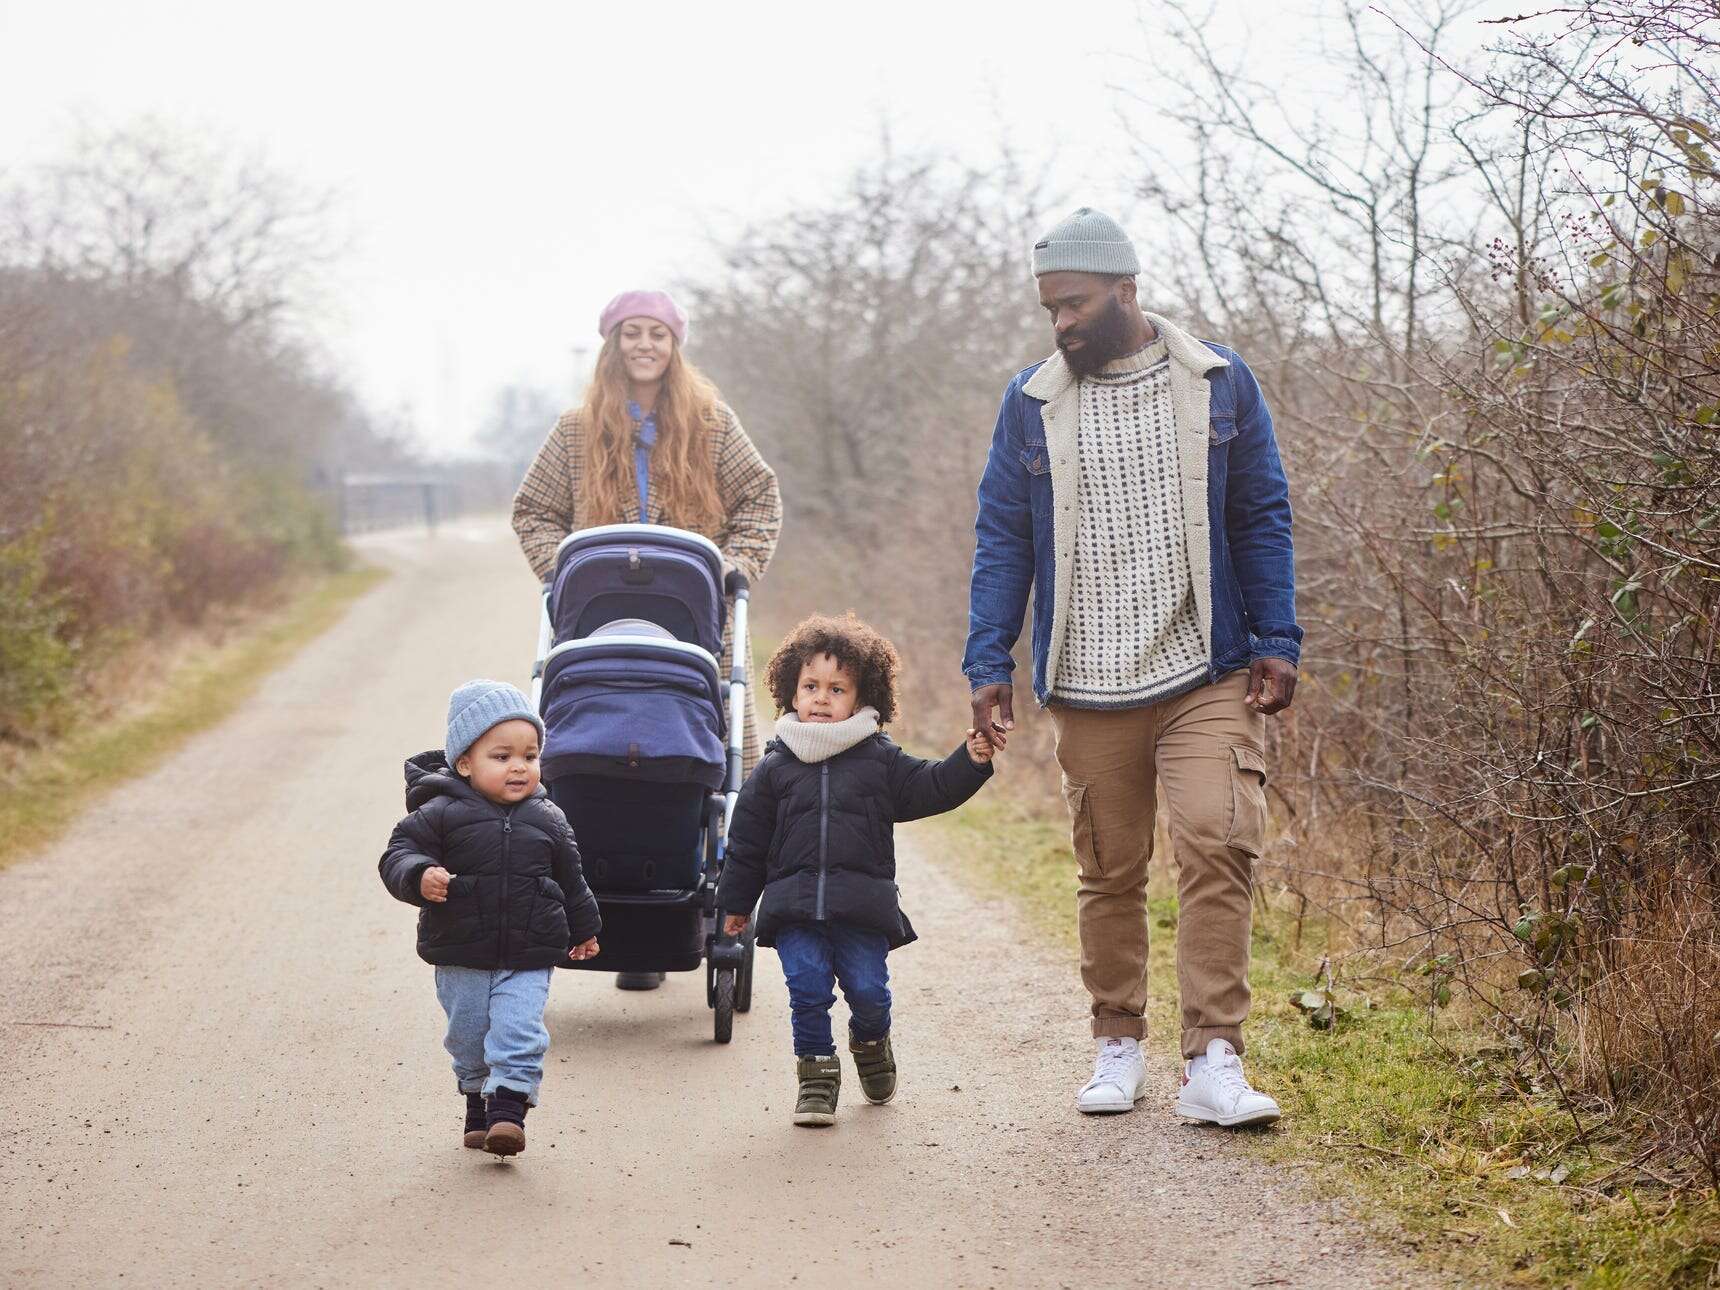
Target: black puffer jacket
<point>517,899</point>
<point>816,839</point>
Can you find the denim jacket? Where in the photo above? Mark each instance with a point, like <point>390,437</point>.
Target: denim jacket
<point>1236,516</point>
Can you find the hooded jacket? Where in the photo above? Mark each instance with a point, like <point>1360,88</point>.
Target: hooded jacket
<point>518,897</point>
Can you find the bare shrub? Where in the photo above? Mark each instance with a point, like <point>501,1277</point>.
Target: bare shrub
<point>160,425</point>
<point>1487,314</point>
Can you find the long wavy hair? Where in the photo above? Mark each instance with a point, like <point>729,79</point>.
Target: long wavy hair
<point>683,476</point>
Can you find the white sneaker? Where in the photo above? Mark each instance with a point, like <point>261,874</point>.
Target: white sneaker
<point>1119,1079</point>
<point>1219,1092</point>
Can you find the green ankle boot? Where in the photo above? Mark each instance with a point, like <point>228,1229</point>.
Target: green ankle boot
<point>820,1085</point>
<point>876,1066</point>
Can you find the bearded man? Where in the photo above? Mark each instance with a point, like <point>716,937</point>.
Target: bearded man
<point>1134,487</point>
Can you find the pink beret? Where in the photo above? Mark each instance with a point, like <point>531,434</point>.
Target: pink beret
<point>657,305</point>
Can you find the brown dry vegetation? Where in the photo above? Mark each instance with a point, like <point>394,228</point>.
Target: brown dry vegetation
<point>1485,306</point>
<point>160,429</point>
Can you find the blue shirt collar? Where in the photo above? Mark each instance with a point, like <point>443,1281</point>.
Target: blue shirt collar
<point>643,426</point>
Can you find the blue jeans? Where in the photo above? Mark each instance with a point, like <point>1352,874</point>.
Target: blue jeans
<point>814,957</point>
<point>496,1034</point>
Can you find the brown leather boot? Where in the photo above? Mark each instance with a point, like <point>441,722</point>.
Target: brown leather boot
<point>506,1114</point>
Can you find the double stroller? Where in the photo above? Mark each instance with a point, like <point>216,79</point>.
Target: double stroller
<point>643,745</point>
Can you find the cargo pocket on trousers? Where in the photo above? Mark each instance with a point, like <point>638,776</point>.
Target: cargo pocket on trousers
<point>1248,795</point>
<point>1081,829</point>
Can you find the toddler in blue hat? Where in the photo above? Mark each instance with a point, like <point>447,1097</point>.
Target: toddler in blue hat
<point>491,864</point>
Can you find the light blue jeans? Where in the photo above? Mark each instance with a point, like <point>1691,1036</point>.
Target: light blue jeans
<point>496,1034</point>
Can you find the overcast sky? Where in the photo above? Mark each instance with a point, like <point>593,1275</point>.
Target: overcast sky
<point>505,168</point>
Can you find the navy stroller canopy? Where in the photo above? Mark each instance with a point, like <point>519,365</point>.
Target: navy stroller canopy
<point>662,575</point>
<point>633,688</point>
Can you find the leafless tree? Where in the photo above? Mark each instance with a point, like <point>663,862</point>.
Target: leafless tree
<point>866,345</point>
<point>164,424</point>
<point>142,208</point>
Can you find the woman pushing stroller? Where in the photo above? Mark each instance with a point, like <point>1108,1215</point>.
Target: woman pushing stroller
<point>812,844</point>
<point>652,442</point>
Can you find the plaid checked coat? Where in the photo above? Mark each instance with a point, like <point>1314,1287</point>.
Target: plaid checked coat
<point>546,510</point>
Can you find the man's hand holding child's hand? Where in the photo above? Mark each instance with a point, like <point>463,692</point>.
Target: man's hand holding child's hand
<point>979,746</point>
<point>734,924</point>
<point>585,950</point>
<point>433,886</point>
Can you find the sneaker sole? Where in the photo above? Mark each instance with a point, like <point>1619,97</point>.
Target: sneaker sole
<point>1109,1108</point>
<point>1105,1108</point>
<point>814,1119</point>
<point>1226,1121</point>
<point>505,1140</point>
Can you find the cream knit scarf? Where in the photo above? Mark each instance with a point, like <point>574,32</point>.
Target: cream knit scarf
<point>816,741</point>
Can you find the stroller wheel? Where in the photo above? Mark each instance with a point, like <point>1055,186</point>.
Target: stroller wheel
<point>744,977</point>
<point>723,1019</point>
<point>639,980</point>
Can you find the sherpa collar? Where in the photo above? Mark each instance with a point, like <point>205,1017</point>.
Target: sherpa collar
<point>816,741</point>
<point>1054,374</point>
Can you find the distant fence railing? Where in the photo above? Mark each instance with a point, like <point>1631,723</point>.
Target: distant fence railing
<point>367,502</point>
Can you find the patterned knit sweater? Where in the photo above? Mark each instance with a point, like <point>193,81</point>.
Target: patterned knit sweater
<point>1132,637</point>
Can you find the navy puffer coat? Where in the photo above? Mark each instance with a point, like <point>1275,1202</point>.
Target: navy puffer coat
<point>814,842</point>
<point>518,897</point>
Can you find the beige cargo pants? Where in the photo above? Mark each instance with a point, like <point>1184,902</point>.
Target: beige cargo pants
<point>1206,749</point>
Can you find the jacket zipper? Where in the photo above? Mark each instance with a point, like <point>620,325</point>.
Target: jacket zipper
<point>507,852</point>
<point>823,837</point>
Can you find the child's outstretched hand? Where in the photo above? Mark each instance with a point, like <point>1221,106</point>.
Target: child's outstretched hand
<point>979,747</point>
<point>585,950</point>
<point>734,924</point>
<point>433,886</point>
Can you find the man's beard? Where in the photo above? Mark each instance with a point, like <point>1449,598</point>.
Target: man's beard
<point>1107,338</point>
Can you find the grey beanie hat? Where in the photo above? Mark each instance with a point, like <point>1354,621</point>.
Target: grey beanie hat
<point>1088,241</point>
<point>476,706</point>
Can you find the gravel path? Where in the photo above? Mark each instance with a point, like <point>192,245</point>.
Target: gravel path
<point>222,1061</point>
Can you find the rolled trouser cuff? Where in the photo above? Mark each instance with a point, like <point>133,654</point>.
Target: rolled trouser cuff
<point>1196,1038</point>
<point>1119,1027</point>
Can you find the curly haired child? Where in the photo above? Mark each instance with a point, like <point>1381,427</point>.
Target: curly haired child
<point>811,844</point>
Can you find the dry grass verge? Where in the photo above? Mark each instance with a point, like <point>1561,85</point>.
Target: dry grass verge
<point>199,680</point>
<point>1409,1110</point>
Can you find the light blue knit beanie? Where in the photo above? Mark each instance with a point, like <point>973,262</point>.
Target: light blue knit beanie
<point>476,706</point>
<point>1088,241</point>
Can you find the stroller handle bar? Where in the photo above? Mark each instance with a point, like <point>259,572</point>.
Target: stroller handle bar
<point>607,532</point>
